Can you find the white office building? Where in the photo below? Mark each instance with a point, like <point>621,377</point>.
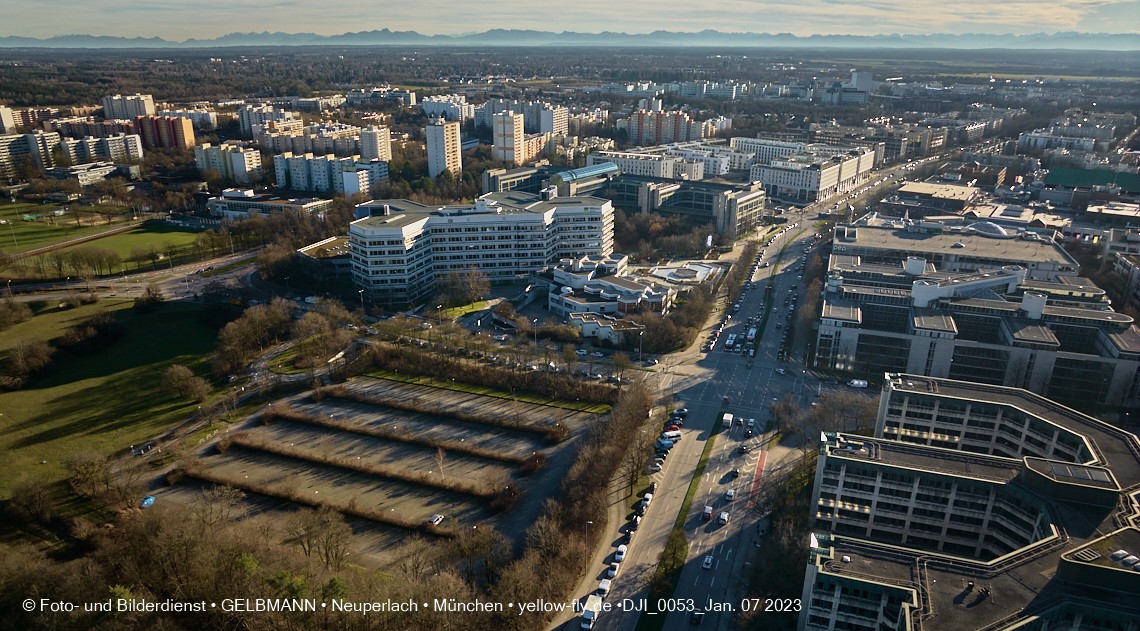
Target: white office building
<point>807,177</point>
<point>399,247</point>
<point>650,164</point>
<point>118,107</point>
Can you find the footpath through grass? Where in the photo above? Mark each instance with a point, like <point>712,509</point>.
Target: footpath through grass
<point>487,391</point>
<point>155,235</point>
<point>103,402</point>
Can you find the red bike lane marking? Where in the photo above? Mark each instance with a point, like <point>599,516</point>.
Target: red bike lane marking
<point>756,479</point>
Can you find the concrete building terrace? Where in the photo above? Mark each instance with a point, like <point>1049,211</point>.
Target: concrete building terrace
<point>912,533</point>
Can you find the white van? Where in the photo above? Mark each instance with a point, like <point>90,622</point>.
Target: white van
<point>646,500</point>
<point>603,588</point>
<point>674,436</point>
<point>857,383</point>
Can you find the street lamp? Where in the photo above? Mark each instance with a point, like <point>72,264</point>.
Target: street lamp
<point>9,287</point>
<point>640,337</point>
<point>361,292</point>
<point>439,314</point>
<point>535,323</point>
<point>287,290</point>
<point>586,549</point>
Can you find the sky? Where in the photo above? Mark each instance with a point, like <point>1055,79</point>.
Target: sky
<point>205,19</point>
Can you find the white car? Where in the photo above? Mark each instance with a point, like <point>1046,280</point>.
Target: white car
<point>614,567</point>
<point>654,468</point>
<point>781,371</point>
<point>708,562</point>
<point>619,556</point>
<point>599,354</point>
<point>581,352</point>
<point>436,519</point>
<point>730,495</point>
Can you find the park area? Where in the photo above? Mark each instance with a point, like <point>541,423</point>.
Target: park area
<point>29,226</point>
<point>100,402</point>
<point>390,455</point>
<point>146,247</point>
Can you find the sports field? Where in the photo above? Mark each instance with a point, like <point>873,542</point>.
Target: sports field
<point>17,235</point>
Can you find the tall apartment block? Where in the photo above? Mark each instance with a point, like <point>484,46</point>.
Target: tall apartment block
<point>118,148</point>
<point>329,173</point>
<point>250,115</point>
<point>232,159</point>
<point>165,131</point>
<point>507,138</point>
<point>376,144</point>
<point>7,121</point>
<point>202,118</point>
<point>128,107</point>
<point>39,145</point>
<point>654,128</point>
<point>399,247</point>
<point>443,147</point>
<point>1040,532</point>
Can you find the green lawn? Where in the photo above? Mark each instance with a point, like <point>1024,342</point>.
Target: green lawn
<point>18,235</point>
<point>155,235</point>
<point>459,312</point>
<point>104,402</point>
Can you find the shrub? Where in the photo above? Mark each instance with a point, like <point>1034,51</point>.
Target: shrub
<point>506,497</point>
<point>533,463</point>
<point>92,335</point>
<point>557,433</point>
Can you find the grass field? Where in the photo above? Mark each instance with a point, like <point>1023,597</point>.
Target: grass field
<point>155,235</point>
<point>104,402</point>
<point>18,235</point>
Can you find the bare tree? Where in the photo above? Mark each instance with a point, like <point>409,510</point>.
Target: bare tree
<point>216,505</point>
<point>440,460</point>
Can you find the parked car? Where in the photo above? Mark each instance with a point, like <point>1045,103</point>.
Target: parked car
<point>619,556</point>
<point>614,567</point>
<point>436,519</point>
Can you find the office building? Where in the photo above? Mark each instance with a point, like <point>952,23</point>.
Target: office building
<point>118,107</point>
<point>7,121</point>
<point>250,115</point>
<point>236,204</point>
<point>650,164</point>
<point>378,96</point>
<point>120,148</point>
<point>165,131</point>
<point>85,174</point>
<point>203,119</point>
<point>38,145</point>
<point>729,209</point>
<point>1127,267</point>
<point>580,288</point>
<point>376,144</point>
<point>400,248</point>
<point>975,304</point>
<point>232,159</point>
<point>808,177</point>
<point>919,199</point>
<point>974,507</point>
<point>443,147</point>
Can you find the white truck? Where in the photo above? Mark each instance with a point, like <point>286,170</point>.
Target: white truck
<point>726,421</point>
<point>590,611</point>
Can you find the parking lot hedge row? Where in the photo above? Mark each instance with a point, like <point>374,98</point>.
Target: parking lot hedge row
<point>455,485</point>
<point>194,469</point>
<point>284,412</point>
<point>340,392</point>
<point>443,367</point>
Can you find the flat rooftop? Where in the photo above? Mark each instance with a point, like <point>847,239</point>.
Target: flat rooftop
<point>1031,332</point>
<point>940,191</point>
<point>973,244</point>
<point>934,320</point>
<point>933,459</point>
<point>842,310</point>
<point>403,212</point>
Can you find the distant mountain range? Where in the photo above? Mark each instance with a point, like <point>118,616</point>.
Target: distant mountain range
<point>503,37</point>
